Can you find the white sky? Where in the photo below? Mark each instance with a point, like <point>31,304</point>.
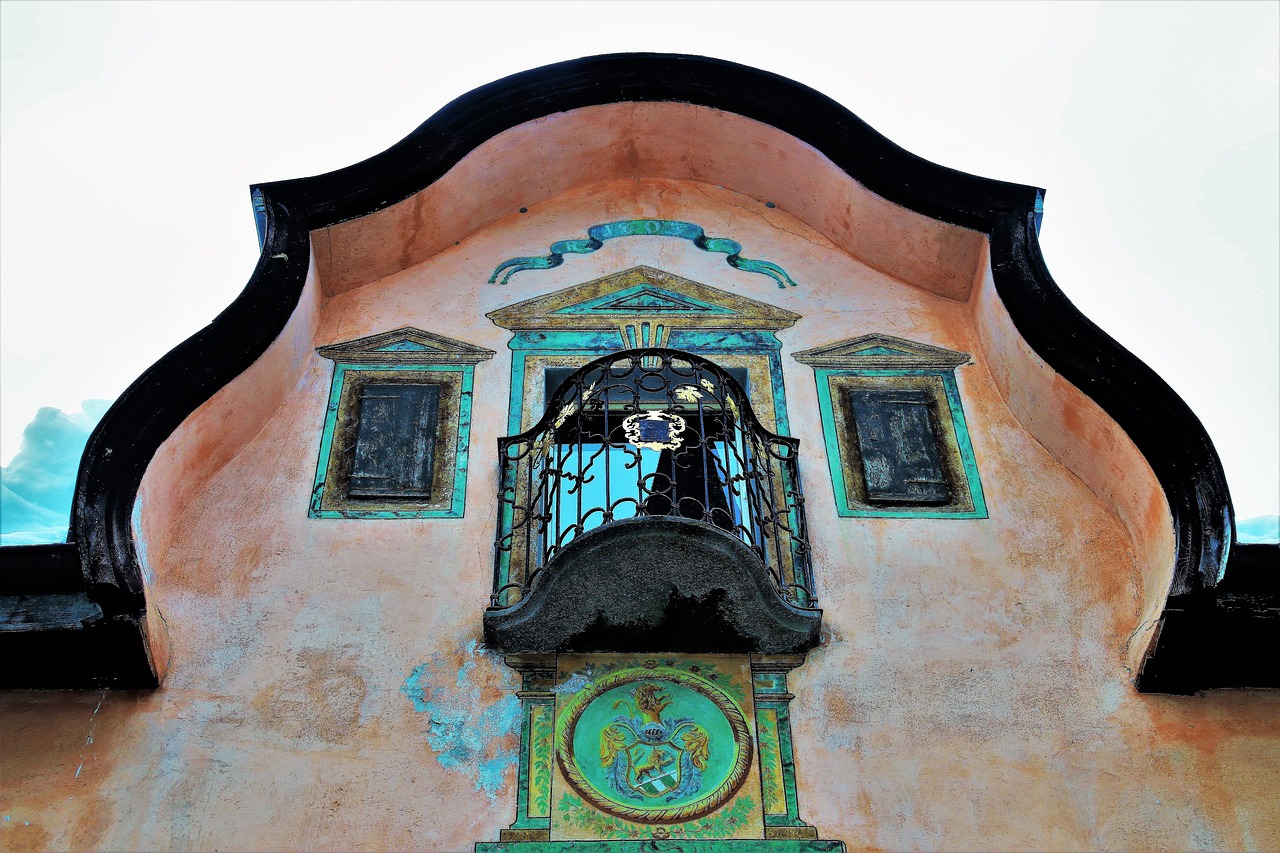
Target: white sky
<point>132,132</point>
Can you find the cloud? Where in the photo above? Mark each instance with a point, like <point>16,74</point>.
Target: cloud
<point>1263,528</point>
<point>37,485</point>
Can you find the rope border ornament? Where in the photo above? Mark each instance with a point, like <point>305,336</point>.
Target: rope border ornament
<point>568,723</point>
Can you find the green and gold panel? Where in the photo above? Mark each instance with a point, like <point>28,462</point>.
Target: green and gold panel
<point>772,785</point>
<point>541,729</point>
<point>655,747</point>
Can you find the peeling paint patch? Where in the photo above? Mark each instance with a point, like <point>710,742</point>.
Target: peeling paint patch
<point>469,735</point>
<point>576,682</point>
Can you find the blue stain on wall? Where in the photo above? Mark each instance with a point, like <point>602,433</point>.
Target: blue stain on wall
<point>597,234</point>
<point>467,736</point>
<point>577,682</point>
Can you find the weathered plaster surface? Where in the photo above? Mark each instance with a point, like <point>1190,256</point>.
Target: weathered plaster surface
<point>220,429</point>
<point>327,690</point>
<point>1077,432</point>
<point>546,158</point>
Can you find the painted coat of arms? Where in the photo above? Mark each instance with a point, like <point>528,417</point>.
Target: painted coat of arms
<point>647,756</point>
<point>653,745</point>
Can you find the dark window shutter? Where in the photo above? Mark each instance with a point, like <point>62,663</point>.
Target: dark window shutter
<point>898,440</point>
<point>395,441</point>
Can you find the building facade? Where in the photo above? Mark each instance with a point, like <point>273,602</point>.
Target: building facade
<point>645,452</point>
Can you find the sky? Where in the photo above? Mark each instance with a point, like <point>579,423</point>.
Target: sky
<point>130,134</point>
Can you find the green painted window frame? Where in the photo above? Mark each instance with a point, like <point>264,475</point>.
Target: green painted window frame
<point>456,396</point>
<point>756,352</point>
<point>969,503</point>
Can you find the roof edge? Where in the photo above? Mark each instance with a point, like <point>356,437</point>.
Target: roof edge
<point>436,145</point>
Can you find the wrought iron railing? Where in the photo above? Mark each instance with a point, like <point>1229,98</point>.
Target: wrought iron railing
<point>646,433</point>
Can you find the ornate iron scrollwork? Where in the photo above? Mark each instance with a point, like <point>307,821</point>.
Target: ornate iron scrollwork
<point>643,433</point>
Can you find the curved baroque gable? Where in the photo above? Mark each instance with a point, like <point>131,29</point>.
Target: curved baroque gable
<point>1165,430</point>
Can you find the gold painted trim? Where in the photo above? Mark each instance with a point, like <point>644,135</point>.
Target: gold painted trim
<point>791,833</point>
<point>516,836</point>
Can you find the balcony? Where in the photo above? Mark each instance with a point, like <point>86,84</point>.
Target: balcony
<point>649,510</point>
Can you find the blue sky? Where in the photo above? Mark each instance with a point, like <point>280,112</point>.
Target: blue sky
<point>130,134</point>
<point>36,486</point>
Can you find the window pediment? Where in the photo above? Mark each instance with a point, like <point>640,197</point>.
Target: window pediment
<point>406,345</point>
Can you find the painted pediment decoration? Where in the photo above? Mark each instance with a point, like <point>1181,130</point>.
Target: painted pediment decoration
<point>644,291</point>
<point>406,346</point>
<point>644,298</point>
<point>878,351</point>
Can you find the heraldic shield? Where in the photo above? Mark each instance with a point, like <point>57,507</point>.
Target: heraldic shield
<point>648,756</point>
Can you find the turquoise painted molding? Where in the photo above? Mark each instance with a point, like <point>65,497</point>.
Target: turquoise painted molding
<point>341,371</point>
<point>660,845</point>
<point>774,741</point>
<point>835,461</point>
<point>590,344</point>
<point>598,234</point>
<point>533,772</point>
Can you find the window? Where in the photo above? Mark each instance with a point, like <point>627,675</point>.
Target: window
<point>894,429</point>
<point>554,336</point>
<point>397,427</point>
<point>654,467</point>
<point>557,333</point>
<point>897,446</point>
<point>395,444</point>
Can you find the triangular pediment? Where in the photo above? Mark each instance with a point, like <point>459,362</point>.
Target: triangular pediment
<point>406,346</point>
<point>644,298</point>
<point>881,351</point>
<point>642,292</point>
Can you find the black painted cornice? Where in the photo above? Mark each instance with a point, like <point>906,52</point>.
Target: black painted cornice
<point>1156,419</point>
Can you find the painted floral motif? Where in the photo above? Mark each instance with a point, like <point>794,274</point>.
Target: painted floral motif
<point>688,394</point>
<point>541,731</point>
<point>722,824</point>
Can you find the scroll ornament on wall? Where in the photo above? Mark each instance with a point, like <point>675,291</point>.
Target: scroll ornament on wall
<point>598,234</point>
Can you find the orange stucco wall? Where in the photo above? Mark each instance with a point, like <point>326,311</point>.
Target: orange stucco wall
<point>203,443</point>
<point>544,159</point>
<point>1077,431</point>
<point>973,690</point>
